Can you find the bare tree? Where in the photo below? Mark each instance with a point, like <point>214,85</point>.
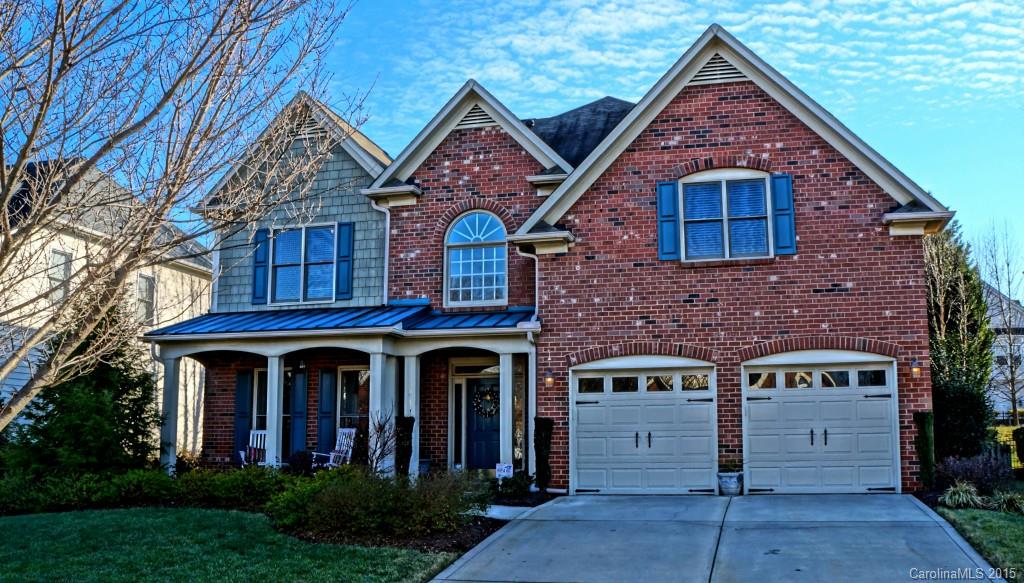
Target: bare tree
<point>1002,267</point>
<point>118,118</point>
<point>382,443</point>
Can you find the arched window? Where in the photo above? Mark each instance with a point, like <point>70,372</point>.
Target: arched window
<point>476,261</point>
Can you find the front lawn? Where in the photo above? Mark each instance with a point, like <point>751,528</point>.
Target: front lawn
<point>998,536</point>
<point>179,544</point>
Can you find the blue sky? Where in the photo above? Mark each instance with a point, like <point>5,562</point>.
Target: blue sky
<point>937,86</point>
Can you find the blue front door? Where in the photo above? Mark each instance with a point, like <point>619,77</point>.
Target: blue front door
<point>482,424</point>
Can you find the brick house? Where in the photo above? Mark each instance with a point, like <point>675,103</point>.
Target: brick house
<point>719,277</point>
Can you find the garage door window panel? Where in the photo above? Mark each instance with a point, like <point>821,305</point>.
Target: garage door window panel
<point>871,378</point>
<point>660,384</point>
<point>590,385</point>
<point>835,379</point>
<point>799,379</point>
<point>761,380</point>
<point>696,382</point>
<point>628,384</point>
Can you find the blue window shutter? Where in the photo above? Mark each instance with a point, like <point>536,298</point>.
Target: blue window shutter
<point>298,429</point>
<point>260,269</point>
<point>783,215</point>
<point>346,232</point>
<point>326,417</point>
<point>668,220</point>
<point>243,412</point>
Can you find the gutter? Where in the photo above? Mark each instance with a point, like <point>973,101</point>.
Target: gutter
<point>387,246</point>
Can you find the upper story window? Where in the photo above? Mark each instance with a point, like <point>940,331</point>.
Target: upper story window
<point>733,213</point>
<point>476,261</point>
<point>59,273</point>
<point>726,217</point>
<point>302,264</point>
<point>145,298</point>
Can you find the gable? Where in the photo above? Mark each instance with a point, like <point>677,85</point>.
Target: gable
<point>715,58</point>
<point>471,107</point>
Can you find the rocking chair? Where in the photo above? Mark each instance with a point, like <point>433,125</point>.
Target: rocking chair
<point>342,452</point>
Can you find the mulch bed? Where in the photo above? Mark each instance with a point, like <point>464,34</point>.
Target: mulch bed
<point>533,499</point>
<point>460,541</point>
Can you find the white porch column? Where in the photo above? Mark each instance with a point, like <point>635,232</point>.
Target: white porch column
<point>505,407</point>
<point>412,409</point>
<point>382,400</point>
<point>169,429</point>
<point>531,408</point>
<point>275,405</point>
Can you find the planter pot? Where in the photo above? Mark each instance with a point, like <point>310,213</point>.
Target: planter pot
<point>730,483</point>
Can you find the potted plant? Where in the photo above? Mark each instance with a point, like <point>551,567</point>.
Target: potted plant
<point>730,478</point>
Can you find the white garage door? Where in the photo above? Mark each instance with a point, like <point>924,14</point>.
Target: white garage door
<point>820,428</point>
<point>644,432</point>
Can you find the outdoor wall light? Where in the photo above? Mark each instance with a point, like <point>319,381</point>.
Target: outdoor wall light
<point>549,378</point>
<point>915,368</point>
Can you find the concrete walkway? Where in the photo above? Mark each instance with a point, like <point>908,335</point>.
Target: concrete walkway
<point>715,539</point>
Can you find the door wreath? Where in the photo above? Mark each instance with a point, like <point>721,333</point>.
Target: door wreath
<point>485,402</point>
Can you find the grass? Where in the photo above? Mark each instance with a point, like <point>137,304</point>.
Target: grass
<point>998,536</point>
<point>168,544</point>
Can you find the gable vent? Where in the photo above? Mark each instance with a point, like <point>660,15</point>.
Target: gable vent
<point>307,126</point>
<point>717,70</point>
<point>476,118</point>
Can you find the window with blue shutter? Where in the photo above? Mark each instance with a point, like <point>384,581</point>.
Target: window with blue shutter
<point>346,236</point>
<point>311,264</point>
<point>783,215</point>
<point>260,258</point>
<point>702,208</point>
<point>727,219</point>
<point>668,220</point>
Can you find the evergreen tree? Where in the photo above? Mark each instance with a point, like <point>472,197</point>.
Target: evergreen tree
<point>960,340</point>
<point>105,420</point>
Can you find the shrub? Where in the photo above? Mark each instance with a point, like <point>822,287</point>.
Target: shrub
<point>517,487</point>
<point>1007,502</point>
<point>985,471</point>
<point>249,488</point>
<point>101,421</point>
<point>962,495</point>
<point>544,428</point>
<point>1018,440</point>
<point>351,503</point>
<point>19,493</point>
<point>924,442</point>
<point>963,414</point>
<point>403,444</point>
<point>300,463</point>
<point>139,488</point>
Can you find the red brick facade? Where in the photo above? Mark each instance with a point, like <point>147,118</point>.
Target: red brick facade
<point>479,168</point>
<point>850,278</point>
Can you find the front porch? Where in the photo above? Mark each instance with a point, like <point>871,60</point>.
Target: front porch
<point>470,392</point>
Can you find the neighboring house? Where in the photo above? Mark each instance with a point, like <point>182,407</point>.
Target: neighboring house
<point>1006,317</point>
<point>719,276</point>
<point>162,295</point>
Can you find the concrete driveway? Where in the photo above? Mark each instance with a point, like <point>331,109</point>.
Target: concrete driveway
<point>707,539</point>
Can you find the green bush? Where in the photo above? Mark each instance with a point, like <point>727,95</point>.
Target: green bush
<point>140,488</point>
<point>351,503</point>
<point>516,488</point>
<point>963,414</point>
<point>962,495</point>
<point>99,422</point>
<point>924,442</point>
<point>544,428</point>
<point>249,488</point>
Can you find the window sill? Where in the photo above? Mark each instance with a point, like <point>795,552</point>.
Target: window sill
<point>739,262</point>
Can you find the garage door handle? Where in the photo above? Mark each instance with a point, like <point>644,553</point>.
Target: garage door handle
<point>826,437</point>
<point>877,396</point>
<point>648,440</point>
<point>759,398</point>
<point>636,440</point>
<point>708,400</point>
<point>812,437</point>
<point>587,402</point>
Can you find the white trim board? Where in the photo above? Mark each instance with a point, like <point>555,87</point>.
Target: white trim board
<point>469,95</point>
<point>716,40</point>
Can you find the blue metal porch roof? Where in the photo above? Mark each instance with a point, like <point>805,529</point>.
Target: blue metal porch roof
<point>408,317</point>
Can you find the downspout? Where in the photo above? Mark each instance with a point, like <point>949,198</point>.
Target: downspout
<point>387,244</point>
<point>536,284</point>
<point>532,362</point>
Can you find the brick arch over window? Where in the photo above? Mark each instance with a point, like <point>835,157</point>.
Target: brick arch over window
<point>641,348</point>
<point>457,210</point>
<point>819,343</point>
<point>748,161</point>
